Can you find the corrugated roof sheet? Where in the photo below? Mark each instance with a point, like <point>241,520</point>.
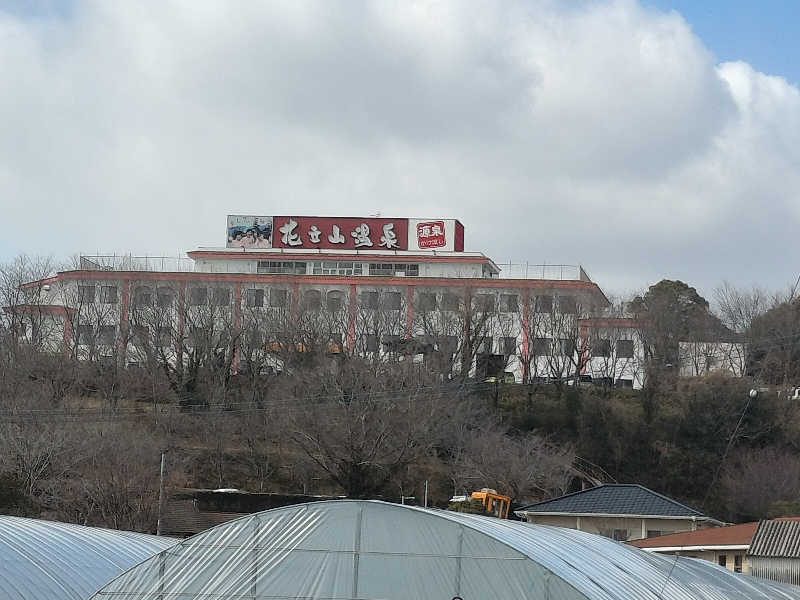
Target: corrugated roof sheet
<point>776,538</point>
<point>731,535</point>
<point>351,550</point>
<point>45,560</point>
<point>614,499</point>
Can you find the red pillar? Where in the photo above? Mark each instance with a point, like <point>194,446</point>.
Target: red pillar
<point>526,322</point>
<point>352,308</point>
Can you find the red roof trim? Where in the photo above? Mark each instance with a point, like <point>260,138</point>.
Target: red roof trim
<point>730,535</point>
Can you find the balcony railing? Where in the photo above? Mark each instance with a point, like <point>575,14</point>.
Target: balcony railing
<point>128,262</point>
<point>545,271</point>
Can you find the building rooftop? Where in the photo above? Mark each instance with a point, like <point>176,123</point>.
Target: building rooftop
<point>730,535</point>
<point>777,538</point>
<point>613,499</point>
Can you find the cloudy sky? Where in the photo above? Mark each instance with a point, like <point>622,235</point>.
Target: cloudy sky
<point>642,140</point>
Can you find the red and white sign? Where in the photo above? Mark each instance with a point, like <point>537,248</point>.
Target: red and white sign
<point>431,234</point>
<point>347,233</point>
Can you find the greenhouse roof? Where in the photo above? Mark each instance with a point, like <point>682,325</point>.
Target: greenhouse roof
<point>60,561</point>
<point>357,550</point>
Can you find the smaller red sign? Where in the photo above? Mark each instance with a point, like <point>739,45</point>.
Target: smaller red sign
<point>430,234</point>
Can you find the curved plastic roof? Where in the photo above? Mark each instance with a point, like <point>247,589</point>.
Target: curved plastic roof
<point>347,550</point>
<point>60,561</point>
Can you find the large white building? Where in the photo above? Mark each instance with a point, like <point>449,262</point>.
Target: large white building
<point>378,286</point>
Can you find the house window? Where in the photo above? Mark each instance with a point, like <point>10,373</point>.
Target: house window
<point>567,305</point>
<point>165,297</point>
<point>198,336</point>
<point>141,336</point>
<point>393,269</point>
<point>371,342</point>
<point>108,294</point>
<point>107,334</point>
<point>621,535</point>
<point>624,383</point>
<point>568,347</point>
<point>335,300</point>
<point>143,296</point>
<point>368,300</point>
<point>276,267</point>
<point>163,336</point>
<point>391,300</point>
<point>722,560</point>
<point>448,345</point>
<point>254,298</point>
<point>484,345</point>
<point>509,303</point>
<point>485,302</point>
<point>450,301</point>
<point>312,300</point>
<point>737,563</point>
<point>390,342</point>
<point>541,346</point>
<point>332,267</point>
<point>85,335</point>
<point>509,346</point>
<point>221,297</point>
<point>198,296</point>
<point>543,304</point>
<point>624,348</point>
<point>86,294</point>
<point>601,348</point>
<point>277,298</point>
<point>653,533</point>
<point>426,302</point>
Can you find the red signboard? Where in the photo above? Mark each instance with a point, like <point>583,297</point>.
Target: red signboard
<point>342,233</point>
<point>431,234</point>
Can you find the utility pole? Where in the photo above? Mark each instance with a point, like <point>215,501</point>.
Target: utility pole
<point>160,494</point>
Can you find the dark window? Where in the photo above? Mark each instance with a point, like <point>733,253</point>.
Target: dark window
<point>254,298</point>
<point>108,294</point>
<point>509,346</point>
<point>368,300</point>
<point>509,303</point>
<point>198,337</point>
<point>164,336</point>
<point>143,296</point>
<point>621,535</point>
<point>653,533</point>
<point>484,345</point>
<point>624,383</point>
<point>392,269</point>
<point>392,300</point>
<point>624,348</point>
<point>737,563</point>
<point>221,297</point>
<point>335,300</point>
<point>277,267</point>
<point>312,300</point>
<point>450,301</point>
<point>107,334</point>
<point>567,305</point>
<point>722,560</point>
<point>601,348</point>
<point>543,304</point>
<point>448,345</point>
<point>198,296</point>
<point>165,297</point>
<point>371,343</point>
<point>541,346</point>
<point>568,347</point>
<point>485,302</point>
<point>140,335</point>
<point>85,335</point>
<point>277,298</point>
<point>86,293</point>
<point>426,302</point>
<point>390,342</point>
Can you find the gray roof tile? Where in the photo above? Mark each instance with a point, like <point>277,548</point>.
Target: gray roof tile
<point>616,499</point>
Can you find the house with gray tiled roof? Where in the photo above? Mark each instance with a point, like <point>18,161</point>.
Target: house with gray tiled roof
<point>619,511</point>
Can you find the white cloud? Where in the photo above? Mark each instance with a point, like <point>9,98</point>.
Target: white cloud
<point>593,132</point>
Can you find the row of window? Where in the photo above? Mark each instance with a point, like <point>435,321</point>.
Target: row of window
<point>600,348</point>
<point>337,267</point>
<point>221,296</point>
